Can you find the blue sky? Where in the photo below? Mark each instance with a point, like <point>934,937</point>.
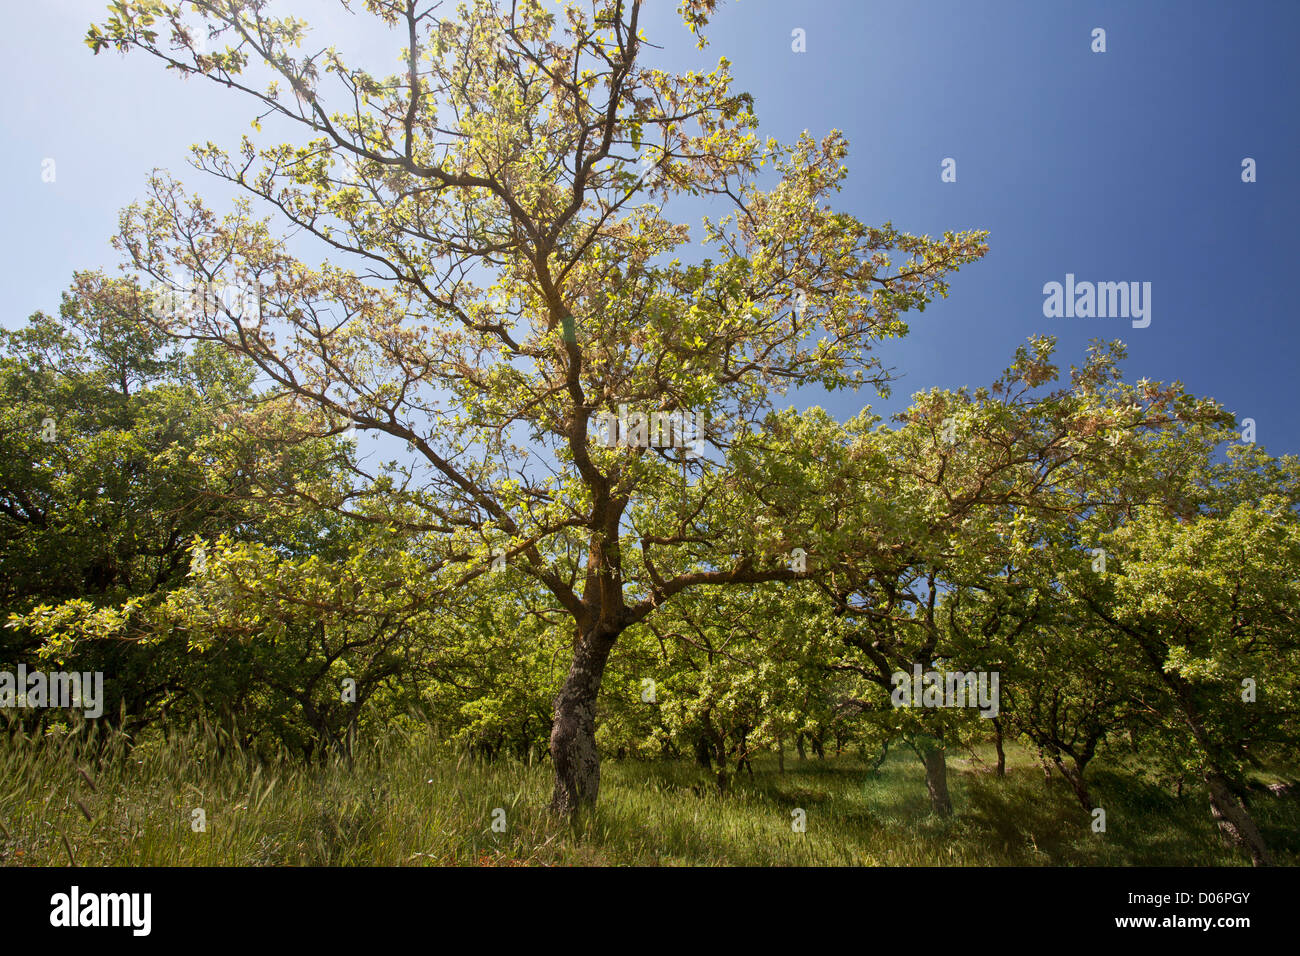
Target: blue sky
<point>1115,166</point>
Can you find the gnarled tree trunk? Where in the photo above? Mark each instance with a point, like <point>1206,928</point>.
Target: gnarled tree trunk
<point>573,731</point>
<point>1234,819</point>
<point>936,777</point>
<point>1074,777</point>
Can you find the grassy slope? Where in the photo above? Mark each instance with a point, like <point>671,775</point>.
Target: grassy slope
<point>409,802</point>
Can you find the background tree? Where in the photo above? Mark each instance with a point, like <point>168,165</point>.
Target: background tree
<point>1200,600</point>
<point>900,524</point>
<point>113,469</point>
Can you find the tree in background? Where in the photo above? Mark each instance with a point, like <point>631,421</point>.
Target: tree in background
<point>1199,595</point>
<point>116,477</point>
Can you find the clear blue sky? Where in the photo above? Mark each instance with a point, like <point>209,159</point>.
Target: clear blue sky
<point>1115,166</point>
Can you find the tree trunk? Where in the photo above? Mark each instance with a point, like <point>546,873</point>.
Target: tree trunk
<point>936,778</point>
<point>742,752</point>
<point>880,761</point>
<point>997,743</point>
<point>573,731</point>
<point>798,745</point>
<point>1226,806</point>
<point>1235,820</point>
<point>780,755</point>
<point>1074,777</point>
<point>703,753</point>
<point>1047,768</point>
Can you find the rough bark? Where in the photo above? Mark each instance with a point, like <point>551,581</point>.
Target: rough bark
<point>573,731</point>
<point>936,778</point>
<point>1074,777</point>
<point>1234,820</point>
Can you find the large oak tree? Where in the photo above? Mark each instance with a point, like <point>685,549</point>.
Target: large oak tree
<point>503,270</point>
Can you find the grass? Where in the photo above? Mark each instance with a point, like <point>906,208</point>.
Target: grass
<point>408,801</point>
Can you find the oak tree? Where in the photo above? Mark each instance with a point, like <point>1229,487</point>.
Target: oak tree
<point>504,273</point>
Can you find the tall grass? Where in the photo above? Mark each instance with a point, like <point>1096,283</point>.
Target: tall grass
<point>88,797</point>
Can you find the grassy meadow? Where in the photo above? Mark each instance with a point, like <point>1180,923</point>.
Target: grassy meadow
<point>408,801</point>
